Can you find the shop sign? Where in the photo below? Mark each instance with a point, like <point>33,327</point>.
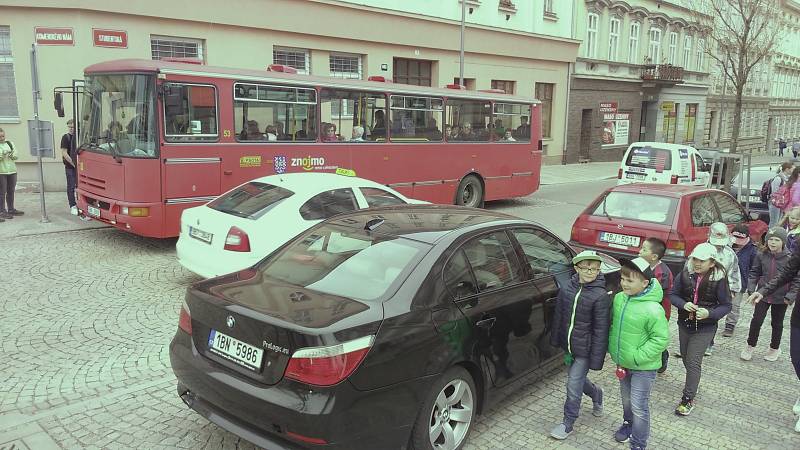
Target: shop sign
<point>54,36</point>
<point>110,38</point>
<point>616,129</point>
<point>608,107</point>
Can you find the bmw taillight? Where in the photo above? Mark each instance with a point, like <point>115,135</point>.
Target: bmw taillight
<point>237,240</point>
<point>185,320</point>
<point>673,179</point>
<point>326,366</point>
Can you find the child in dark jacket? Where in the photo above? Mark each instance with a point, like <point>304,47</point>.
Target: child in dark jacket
<point>652,251</point>
<point>746,253</point>
<point>580,327</point>
<point>702,296</point>
<point>767,265</point>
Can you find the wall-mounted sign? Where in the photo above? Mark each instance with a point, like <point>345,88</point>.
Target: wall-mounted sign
<point>54,36</point>
<point>110,38</point>
<point>608,107</point>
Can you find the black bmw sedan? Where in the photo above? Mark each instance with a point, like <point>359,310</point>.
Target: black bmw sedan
<point>382,328</point>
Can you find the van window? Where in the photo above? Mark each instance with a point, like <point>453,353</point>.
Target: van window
<point>633,206</point>
<point>648,157</point>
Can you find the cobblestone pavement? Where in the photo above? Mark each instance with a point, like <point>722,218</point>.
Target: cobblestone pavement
<point>86,318</point>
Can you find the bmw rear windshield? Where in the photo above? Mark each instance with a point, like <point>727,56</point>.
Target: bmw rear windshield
<point>648,157</point>
<point>634,206</point>
<point>251,200</point>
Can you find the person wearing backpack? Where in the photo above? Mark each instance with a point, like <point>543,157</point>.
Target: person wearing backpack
<point>773,185</point>
<point>788,195</point>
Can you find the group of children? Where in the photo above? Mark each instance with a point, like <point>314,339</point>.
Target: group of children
<point>634,327</point>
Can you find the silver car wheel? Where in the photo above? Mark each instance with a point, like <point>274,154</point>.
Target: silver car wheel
<point>451,415</point>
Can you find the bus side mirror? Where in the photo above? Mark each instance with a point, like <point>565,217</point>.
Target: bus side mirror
<point>58,104</point>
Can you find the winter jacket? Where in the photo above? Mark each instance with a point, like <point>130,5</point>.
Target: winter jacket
<point>794,197</point>
<point>746,255</point>
<point>765,267</point>
<point>786,274</point>
<point>8,154</point>
<point>581,320</point>
<point>664,276</point>
<point>716,298</point>
<point>791,238</point>
<point>639,329</point>
<point>728,259</point>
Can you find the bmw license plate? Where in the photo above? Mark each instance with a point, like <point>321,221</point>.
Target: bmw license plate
<point>620,239</point>
<point>93,211</point>
<point>200,234</point>
<point>235,350</point>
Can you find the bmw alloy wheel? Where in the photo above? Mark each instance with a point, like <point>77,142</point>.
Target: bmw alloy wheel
<point>451,416</point>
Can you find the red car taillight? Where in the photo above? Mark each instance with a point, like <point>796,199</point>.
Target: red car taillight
<point>185,321</point>
<point>326,366</point>
<point>619,174</point>
<point>676,247</point>
<point>673,179</point>
<point>237,240</point>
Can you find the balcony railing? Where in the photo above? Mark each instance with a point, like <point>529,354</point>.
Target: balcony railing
<point>662,72</point>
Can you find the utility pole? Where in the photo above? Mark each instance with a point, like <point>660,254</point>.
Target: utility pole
<point>722,100</point>
<point>461,55</point>
<point>37,95</point>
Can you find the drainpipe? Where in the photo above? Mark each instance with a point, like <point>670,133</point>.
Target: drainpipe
<point>570,70</point>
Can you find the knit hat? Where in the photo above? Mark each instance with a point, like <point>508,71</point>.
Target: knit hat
<point>718,234</point>
<point>741,234</point>
<point>777,232</point>
<point>639,265</point>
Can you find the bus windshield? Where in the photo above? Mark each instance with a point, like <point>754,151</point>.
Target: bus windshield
<point>119,115</point>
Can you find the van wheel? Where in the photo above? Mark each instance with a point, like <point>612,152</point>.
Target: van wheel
<point>446,417</point>
<point>470,192</point>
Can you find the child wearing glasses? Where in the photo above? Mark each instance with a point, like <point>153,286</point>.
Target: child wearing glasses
<point>580,328</point>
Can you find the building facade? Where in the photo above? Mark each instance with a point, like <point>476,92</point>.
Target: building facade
<point>641,75</point>
<point>523,47</point>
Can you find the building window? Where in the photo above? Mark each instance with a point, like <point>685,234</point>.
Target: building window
<point>345,66</point>
<point>654,48</point>
<point>8,88</point>
<point>673,48</point>
<point>505,85</point>
<point>699,58</point>
<point>633,44</point>
<point>544,93</point>
<point>613,39</point>
<point>591,35</point>
<point>171,47</point>
<point>412,71</point>
<point>687,51</point>
<point>292,57</point>
<point>548,7</point>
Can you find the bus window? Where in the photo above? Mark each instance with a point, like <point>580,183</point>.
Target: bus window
<point>190,113</point>
<point>345,110</point>
<point>416,119</point>
<point>274,113</point>
<point>511,122</point>
<point>469,120</point>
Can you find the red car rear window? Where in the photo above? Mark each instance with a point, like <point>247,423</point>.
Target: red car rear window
<point>659,159</point>
<point>634,206</point>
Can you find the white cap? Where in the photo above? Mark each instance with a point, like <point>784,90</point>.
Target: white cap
<point>718,234</point>
<point>704,251</point>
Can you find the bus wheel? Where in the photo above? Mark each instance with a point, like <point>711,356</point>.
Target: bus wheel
<point>470,192</point>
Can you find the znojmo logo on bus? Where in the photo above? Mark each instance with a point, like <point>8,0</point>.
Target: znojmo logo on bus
<point>308,162</point>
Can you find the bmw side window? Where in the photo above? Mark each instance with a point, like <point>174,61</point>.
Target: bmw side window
<point>729,210</point>
<point>378,197</point>
<point>328,204</point>
<point>458,278</point>
<point>704,213</point>
<point>545,254</point>
<point>493,261</point>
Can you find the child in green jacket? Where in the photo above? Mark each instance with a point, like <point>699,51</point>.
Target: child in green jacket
<point>639,334</point>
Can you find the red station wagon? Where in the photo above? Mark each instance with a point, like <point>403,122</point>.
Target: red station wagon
<point>622,217</point>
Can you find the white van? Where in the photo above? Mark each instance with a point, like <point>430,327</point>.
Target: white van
<point>658,162</point>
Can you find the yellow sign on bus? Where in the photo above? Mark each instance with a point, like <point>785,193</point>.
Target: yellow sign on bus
<point>250,161</point>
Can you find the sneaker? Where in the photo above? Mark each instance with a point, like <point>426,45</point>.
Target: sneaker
<point>747,353</point>
<point>685,407</point>
<point>728,332</point>
<point>597,406</point>
<point>709,350</point>
<point>561,431</point>
<point>5,215</point>
<point>772,354</point>
<point>796,407</point>
<point>624,432</point>
<point>16,212</point>
<point>73,210</point>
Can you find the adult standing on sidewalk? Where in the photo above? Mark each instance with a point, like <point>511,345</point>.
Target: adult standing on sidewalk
<point>778,180</point>
<point>796,148</point>
<point>69,155</point>
<point>8,178</point>
<point>781,146</point>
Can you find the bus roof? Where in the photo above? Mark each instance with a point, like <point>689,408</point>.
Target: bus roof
<point>182,68</point>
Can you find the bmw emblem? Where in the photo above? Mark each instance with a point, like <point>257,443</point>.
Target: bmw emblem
<point>231,322</point>
<point>620,226</point>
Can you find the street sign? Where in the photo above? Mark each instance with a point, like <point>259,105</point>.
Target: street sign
<point>54,36</point>
<point>40,134</point>
<point>110,38</point>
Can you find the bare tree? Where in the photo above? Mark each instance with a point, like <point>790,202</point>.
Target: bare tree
<point>741,34</point>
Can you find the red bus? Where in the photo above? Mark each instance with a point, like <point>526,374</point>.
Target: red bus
<point>157,137</point>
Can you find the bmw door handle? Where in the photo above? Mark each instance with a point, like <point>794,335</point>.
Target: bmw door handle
<point>486,323</point>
